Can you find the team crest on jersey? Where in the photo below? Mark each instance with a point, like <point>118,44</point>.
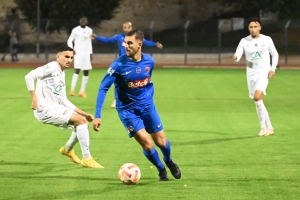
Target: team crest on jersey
<point>110,71</point>
<point>138,70</point>
<point>147,69</point>
<point>256,55</point>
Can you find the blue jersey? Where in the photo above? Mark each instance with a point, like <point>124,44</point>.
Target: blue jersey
<point>119,38</point>
<point>132,80</point>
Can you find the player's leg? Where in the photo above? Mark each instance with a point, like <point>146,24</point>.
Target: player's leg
<point>74,80</point>
<point>86,66</point>
<point>150,152</point>
<point>154,126</point>
<point>135,127</point>
<point>68,151</point>
<point>261,85</point>
<point>81,125</point>
<point>113,105</point>
<point>85,79</point>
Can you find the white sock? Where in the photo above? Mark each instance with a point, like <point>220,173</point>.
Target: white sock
<point>261,113</point>
<point>84,140</point>
<point>268,121</point>
<point>84,82</point>
<point>72,141</point>
<point>74,81</point>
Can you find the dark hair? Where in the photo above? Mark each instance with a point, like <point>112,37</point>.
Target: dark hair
<point>139,35</point>
<point>254,20</point>
<point>64,47</point>
<point>83,17</point>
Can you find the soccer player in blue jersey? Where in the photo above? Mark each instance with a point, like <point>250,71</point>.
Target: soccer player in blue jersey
<point>134,90</point>
<point>119,38</point>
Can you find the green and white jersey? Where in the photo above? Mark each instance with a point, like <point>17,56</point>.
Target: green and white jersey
<point>50,87</point>
<point>257,53</point>
<point>82,40</point>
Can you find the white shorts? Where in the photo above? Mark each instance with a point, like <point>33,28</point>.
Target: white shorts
<point>56,115</point>
<point>257,84</point>
<point>82,62</point>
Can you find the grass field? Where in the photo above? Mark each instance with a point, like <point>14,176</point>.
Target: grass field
<point>208,117</point>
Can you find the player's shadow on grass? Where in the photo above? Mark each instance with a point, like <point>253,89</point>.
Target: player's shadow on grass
<point>211,141</point>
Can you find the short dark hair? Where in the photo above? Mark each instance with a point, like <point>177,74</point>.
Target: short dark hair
<point>254,20</point>
<point>64,47</point>
<point>139,35</point>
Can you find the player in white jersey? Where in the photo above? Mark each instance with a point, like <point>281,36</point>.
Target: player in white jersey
<point>258,48</point>
<point>51,106</point>
<point>83,57</point>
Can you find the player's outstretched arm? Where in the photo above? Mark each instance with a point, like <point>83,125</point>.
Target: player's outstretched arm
<point>35,103</point>
<point>159,45</point>
<point>113,39</point>
<point>96,124</point>
<point>88,116</point>
<point>234,58</point>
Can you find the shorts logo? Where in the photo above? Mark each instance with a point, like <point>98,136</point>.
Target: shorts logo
<point>138,83</point>
<point>110,71</point>
<point>130,129</point>
<point>138,70</point>
<point>65,112</point>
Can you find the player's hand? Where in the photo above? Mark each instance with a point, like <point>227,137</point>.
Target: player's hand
<point>271,74</point>
<point>93,36</point>
<point>34,105</point>
<point>97,124</point>
<point>89,117</point>
<point>159,45</point>
<point>234,58</point>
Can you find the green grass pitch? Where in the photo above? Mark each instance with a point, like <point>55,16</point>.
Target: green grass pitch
<point>208,117</point>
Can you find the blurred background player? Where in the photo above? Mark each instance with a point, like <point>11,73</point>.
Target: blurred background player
<point>119,38</point>
<point>13,47</point>
<point>258,48</point>
<point>50,105</point>
<point>131,74</point>
<point>80,37</point>
<point>6,45</point>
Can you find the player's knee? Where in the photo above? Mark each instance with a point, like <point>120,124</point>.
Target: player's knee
<point>257,98</point>
<point>80,120</point>
<point>147,146</point>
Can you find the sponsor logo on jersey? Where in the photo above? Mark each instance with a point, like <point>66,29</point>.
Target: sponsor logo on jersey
<point>138,83</point>
<point>138,70</point>
<point>147,69</point>
<point>110,71</point>
<point>84,38</point>
<point>255,55</point>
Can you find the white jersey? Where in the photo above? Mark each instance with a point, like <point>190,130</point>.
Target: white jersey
<point>50,87</point>
<point>257,53</point>
<point>82,40</point>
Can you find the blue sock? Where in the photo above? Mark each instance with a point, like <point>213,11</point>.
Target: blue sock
<point>166,151</point>
<point>153,157</point>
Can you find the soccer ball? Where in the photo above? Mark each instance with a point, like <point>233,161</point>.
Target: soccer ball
<point>129,174</point>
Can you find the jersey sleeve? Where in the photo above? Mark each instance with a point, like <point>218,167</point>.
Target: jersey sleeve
<point>108,39</point>
<point>149,43</point>
<point>108,79</point>
<point>90,44</point>
<point>71,39</point>
<point>274,54</point>
<point>37,73</point>
<point>239,50</point>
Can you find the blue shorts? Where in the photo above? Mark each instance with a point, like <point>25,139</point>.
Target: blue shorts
<point>137,118</point>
